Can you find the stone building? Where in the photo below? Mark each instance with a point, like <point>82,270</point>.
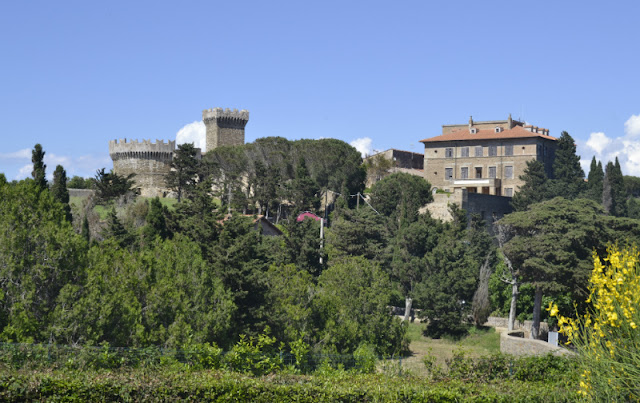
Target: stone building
<point>485,157</point>
<point>225,127</point>
<point>150,162</point>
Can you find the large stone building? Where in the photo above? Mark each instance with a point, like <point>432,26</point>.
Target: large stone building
<point>225,127</point>
<point>485,157</point>
<point>151,162</point>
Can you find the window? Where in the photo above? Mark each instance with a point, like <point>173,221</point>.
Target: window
<point>492,172</point>
<point>448,173</point>
<point>464,151</point>
<point>493,151</point>
<point>479,152</point>
<point>508,172</point>
<point>539,150</point>
<point>508,192</point>
<point>448,152</point>
<point>478,172</point>
<point>464,173</point>
<point>508,150</point>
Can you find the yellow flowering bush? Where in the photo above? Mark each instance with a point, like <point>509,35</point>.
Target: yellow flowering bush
<point>607,337</point>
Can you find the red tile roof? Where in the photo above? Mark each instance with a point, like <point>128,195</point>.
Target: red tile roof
<point>487,134</point>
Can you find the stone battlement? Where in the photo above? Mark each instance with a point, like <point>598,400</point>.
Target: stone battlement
<point>219,113</point>
<point>144,146</point>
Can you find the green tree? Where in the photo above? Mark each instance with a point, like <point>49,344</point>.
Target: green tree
<point>551,244</point>
<point>568,176</point>
<point>300,245</point>
<point>399,196</point>
<point>594,181</point>
<point>38,174</point>
<point>182,177</point>
<point>351,308</point>
<point>534,189</point>
<point>60,192</point>
<point>39,254</point>
<point>156,221</point>
<point>78,182</point>
<point>450,277</point>
<point>361,232</point>
<point>303,189</point>
<point>613,192</point>
<point>109,185</point>
<point>116,231</point>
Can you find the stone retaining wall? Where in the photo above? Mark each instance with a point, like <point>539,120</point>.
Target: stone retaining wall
<point>520,346</point>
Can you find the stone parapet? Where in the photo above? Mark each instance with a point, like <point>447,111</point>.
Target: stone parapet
<point>122,146</point>
<point>520,346</point>
<point>242,116</point>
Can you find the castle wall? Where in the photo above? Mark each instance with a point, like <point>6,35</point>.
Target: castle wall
<point>150,162</point>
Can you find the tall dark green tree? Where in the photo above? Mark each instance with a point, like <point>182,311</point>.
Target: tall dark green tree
<point>399,196</point>
<point>182,177</point>
<point>38,174</point>
<point>535,188</point>
<point>594,182</point>
<point>156,224</point>
<point>116,231</point>
<point>613,192</point>
<point>568,176</point>
<point>303,188</point>
<point>59,190</point>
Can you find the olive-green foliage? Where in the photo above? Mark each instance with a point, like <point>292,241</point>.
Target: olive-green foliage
<point>351,308</point>
<point>360,232</point>
<point>594,181</point>
<point>182,177</point>
<point>110,185</point>
<point>163,295</point>
<point>399,196</point>
<point>78,182</point>
<point>568,176</point>
<point>59,190</point>
<point>39,254</point>
<point>450,276</point>
<point>197,385</point>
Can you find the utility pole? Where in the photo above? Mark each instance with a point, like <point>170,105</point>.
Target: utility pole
<point>358,201</point>
<point>321,237</point>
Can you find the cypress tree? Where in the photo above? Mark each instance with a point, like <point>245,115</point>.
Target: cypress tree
<point>617,188</point>
<point>156,222</point>
<point>596,176</point>
<point>567,173</point>
<point>38,173</point>
<point>535,187</point>
<point>59,190</point>
<point>608,201</point>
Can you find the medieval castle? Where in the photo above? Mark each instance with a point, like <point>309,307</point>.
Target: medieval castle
<point>151,162</point>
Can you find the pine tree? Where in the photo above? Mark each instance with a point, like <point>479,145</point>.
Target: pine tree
<point>594,184</point>
<point>116,230</point>
<point>184,166</point>
<point>156,222</point>
<point>535,187</point>
<point>568,176</point>
<point>59,190</point>
<point>38,173</point>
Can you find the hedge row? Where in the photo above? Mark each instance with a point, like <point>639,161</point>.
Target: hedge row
<point>221,386</point>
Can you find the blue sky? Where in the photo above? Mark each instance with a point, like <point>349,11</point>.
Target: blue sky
<point>383,74</point>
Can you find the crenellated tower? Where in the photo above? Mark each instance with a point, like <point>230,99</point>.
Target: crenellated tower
<point>225,127</point>
<point>150,162</point>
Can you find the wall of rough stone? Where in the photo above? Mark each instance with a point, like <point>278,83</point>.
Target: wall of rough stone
<point>520,346</point>
<point>150,162</point>
<point>225,127</point>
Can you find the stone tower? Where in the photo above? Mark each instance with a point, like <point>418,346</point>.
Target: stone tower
<point>225,127</point>
<point>151,162</point>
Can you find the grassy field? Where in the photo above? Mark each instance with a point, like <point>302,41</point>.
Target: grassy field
<point>76,203</point>
<point>479,342</point>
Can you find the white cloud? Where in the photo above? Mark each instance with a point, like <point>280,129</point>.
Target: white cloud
<point>52,160</point>
<point>598,141</point>
<point>363,145</point>
<point>626,147</point>
<point>632,126</point>
<point>195,133</point>
<point>20,154</point>
<point>24,172</point>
